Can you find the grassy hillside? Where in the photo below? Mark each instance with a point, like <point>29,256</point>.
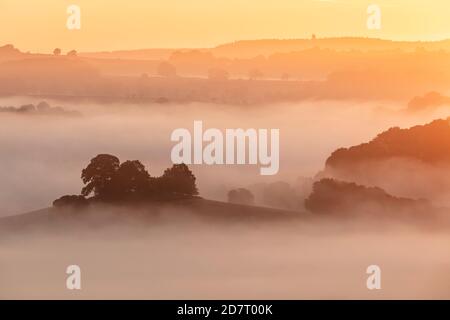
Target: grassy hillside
<point>99,215</point>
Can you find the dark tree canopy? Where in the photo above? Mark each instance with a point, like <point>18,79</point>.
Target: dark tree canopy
<point>72,53</point>
<point>332,196</point>
<point>179,180</point>
<point>131,180</point>
<point>98,174</point>
<point>241,196</point>
<point>108,180</point>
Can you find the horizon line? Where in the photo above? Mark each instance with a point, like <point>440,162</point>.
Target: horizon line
<point>237,41</point>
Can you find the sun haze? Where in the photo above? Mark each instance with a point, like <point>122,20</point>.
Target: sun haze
<point>112,25</point>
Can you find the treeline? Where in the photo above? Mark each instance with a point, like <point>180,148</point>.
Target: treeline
<point>331,196</point>
<point>42,108</point>
<point>107,180</point>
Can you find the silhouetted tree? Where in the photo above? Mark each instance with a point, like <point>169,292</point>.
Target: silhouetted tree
<point>110,181</point>
<point>241,196</point>
<point>27,108</point>
<point>72,53</point>
<point>97,176</point>
<point>131,181</point>
<point>332,196</point>
<point>178,180</point>
<point>57,52</point>
<point>43,106</point>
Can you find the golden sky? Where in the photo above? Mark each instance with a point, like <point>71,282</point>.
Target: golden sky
<point>40,25</point>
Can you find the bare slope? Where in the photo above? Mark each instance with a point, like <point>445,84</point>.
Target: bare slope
<point>98,215</point>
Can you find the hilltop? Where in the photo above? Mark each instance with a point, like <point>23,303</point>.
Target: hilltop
<point>405,162</point>
<point>144,214</point>
<point>429,143</point>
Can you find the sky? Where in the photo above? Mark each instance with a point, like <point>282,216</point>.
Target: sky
<point>40,26</point>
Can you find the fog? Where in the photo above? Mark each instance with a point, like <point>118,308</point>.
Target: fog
<point>178,259</point>
<point>183,257</point>
<point>42,156</point>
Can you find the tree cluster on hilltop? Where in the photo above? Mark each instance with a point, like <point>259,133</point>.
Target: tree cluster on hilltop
<point>429,143</point>
<point>346,198</point>
<point>108,180</point>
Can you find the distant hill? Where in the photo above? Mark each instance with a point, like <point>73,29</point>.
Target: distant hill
<point>413,162</point>
<point>266,47</point>
<point>278,70</point>
<point>429,143</point>
<point>252,48</point>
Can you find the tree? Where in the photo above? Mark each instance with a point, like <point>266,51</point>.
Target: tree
<point>98,175</point>
<point>179,180</point>
<point>43,106</point>
<point>241,196</point>
<point>72,53</point>
<point>27,108</point>
<point>110,181</point>
<point>57,52</point>
<point>131,180</point>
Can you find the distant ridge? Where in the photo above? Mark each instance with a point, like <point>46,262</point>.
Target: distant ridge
<point>428,143</point>
<point>270,46</point>
<point>252,48</point>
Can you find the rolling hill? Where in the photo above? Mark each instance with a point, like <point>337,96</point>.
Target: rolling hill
<point>99,215</point>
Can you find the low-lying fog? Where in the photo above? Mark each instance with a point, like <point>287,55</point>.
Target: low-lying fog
<point>196,261</point>
<point>42,156</point>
